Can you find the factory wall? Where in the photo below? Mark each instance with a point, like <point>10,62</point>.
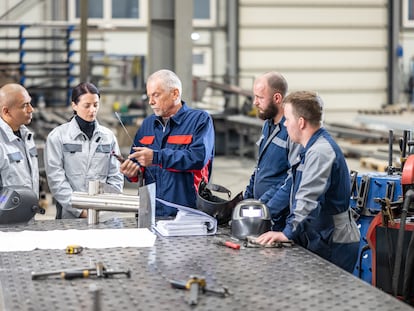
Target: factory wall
<point>337,48</point>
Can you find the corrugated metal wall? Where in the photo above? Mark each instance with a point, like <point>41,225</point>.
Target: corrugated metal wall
<point>337,48</point>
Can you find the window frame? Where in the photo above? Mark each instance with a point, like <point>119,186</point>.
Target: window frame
<point>107,19</point>
<point>141,21</point>
<point>210,22</point>
<point>407,22</point>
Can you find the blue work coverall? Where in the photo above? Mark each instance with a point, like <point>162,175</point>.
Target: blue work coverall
<point>320,218</point>
<point>276,150</point>
<point>183,155</point>
<point>18,158</point>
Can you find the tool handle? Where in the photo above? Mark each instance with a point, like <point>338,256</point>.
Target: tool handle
<point>41,275</point>
<point>232,245</point>
<point>70,275</point>
<point>226,243</point>
<point>108,273</point>
<point>119,157</point>
<point>178,284</point>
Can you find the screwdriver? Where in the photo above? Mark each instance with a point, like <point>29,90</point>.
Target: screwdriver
<point>226,243</point>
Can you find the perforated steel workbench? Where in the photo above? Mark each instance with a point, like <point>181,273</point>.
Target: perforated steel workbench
<point>259,279</point>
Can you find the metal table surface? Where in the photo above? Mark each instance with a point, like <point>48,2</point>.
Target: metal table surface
<point>258,279</point>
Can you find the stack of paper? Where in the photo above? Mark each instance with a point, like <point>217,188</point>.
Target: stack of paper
<point>189,221</point>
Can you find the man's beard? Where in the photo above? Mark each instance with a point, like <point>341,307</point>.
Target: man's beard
<point>270,112</point>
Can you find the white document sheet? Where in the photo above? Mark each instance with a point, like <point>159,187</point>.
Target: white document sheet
<point>188,221</point>
<point>60,239</point>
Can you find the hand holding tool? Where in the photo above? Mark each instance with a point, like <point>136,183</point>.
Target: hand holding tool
<point>122,159</point>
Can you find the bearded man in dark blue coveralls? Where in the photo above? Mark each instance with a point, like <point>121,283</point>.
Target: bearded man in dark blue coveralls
<point>276,150</point>
<point>174,147</point>
<point>320,218</point>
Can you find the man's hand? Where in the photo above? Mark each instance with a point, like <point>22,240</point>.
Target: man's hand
<point>84,213</point>
<point>143,155</point>
<point>271,236</point>
<point>129,168</point>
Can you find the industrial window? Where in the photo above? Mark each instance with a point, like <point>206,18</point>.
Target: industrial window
<point>204,13</point>
<point>125,9</point>
<point>201,9</point>
<point>198,58</point>
<point>106,13</point>
<point>408,13</point>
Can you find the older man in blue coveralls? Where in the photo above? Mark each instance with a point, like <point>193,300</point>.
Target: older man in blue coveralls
<point>320,218</point>
<point>174,147</point>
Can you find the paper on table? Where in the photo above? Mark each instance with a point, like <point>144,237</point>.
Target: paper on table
<point>189,221</point>
<point>59,239</point>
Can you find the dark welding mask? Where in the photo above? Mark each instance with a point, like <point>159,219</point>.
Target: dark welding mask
<point>18,205</point>
<point>213,205</point>
<point>250,218</point>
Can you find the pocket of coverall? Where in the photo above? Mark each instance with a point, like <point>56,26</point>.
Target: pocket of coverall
<point>101,160</point>
<point>33,152</point>
<point>71,153</point>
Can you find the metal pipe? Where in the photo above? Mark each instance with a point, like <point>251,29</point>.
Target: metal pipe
<point>104,202</point>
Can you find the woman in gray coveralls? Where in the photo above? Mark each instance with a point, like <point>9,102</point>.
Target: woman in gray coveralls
<point>79,151</point>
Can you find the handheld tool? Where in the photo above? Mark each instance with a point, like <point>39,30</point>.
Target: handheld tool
<point>124,128</point>
<point>226,243</point>
<point>250,241</point>
<point>195,285</point>
<point>99,271</point>
<point>119,157</point>
<point>73,249</point>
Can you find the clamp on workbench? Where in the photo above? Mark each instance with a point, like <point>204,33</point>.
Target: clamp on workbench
<point>196,285</point>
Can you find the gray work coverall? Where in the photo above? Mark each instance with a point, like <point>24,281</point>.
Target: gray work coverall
<point>72,160</point>
<point>18,158</point>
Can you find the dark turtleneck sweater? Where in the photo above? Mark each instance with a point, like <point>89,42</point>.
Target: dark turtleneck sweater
<point>85,126</point>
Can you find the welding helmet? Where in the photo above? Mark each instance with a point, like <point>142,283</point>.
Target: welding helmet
<point>219,208</point>
<point>250,218</point>
<point>18,205</point>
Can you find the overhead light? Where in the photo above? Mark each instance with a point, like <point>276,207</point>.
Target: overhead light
<point>195,36</point>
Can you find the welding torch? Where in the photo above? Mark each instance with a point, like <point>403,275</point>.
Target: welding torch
<point>98,271</point>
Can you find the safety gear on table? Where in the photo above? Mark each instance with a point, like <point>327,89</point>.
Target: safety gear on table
<point>18,205</point>
<point>213,205</point>
<point>250,218</point>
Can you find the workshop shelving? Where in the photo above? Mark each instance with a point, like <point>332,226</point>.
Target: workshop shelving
<point>40,57</point>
